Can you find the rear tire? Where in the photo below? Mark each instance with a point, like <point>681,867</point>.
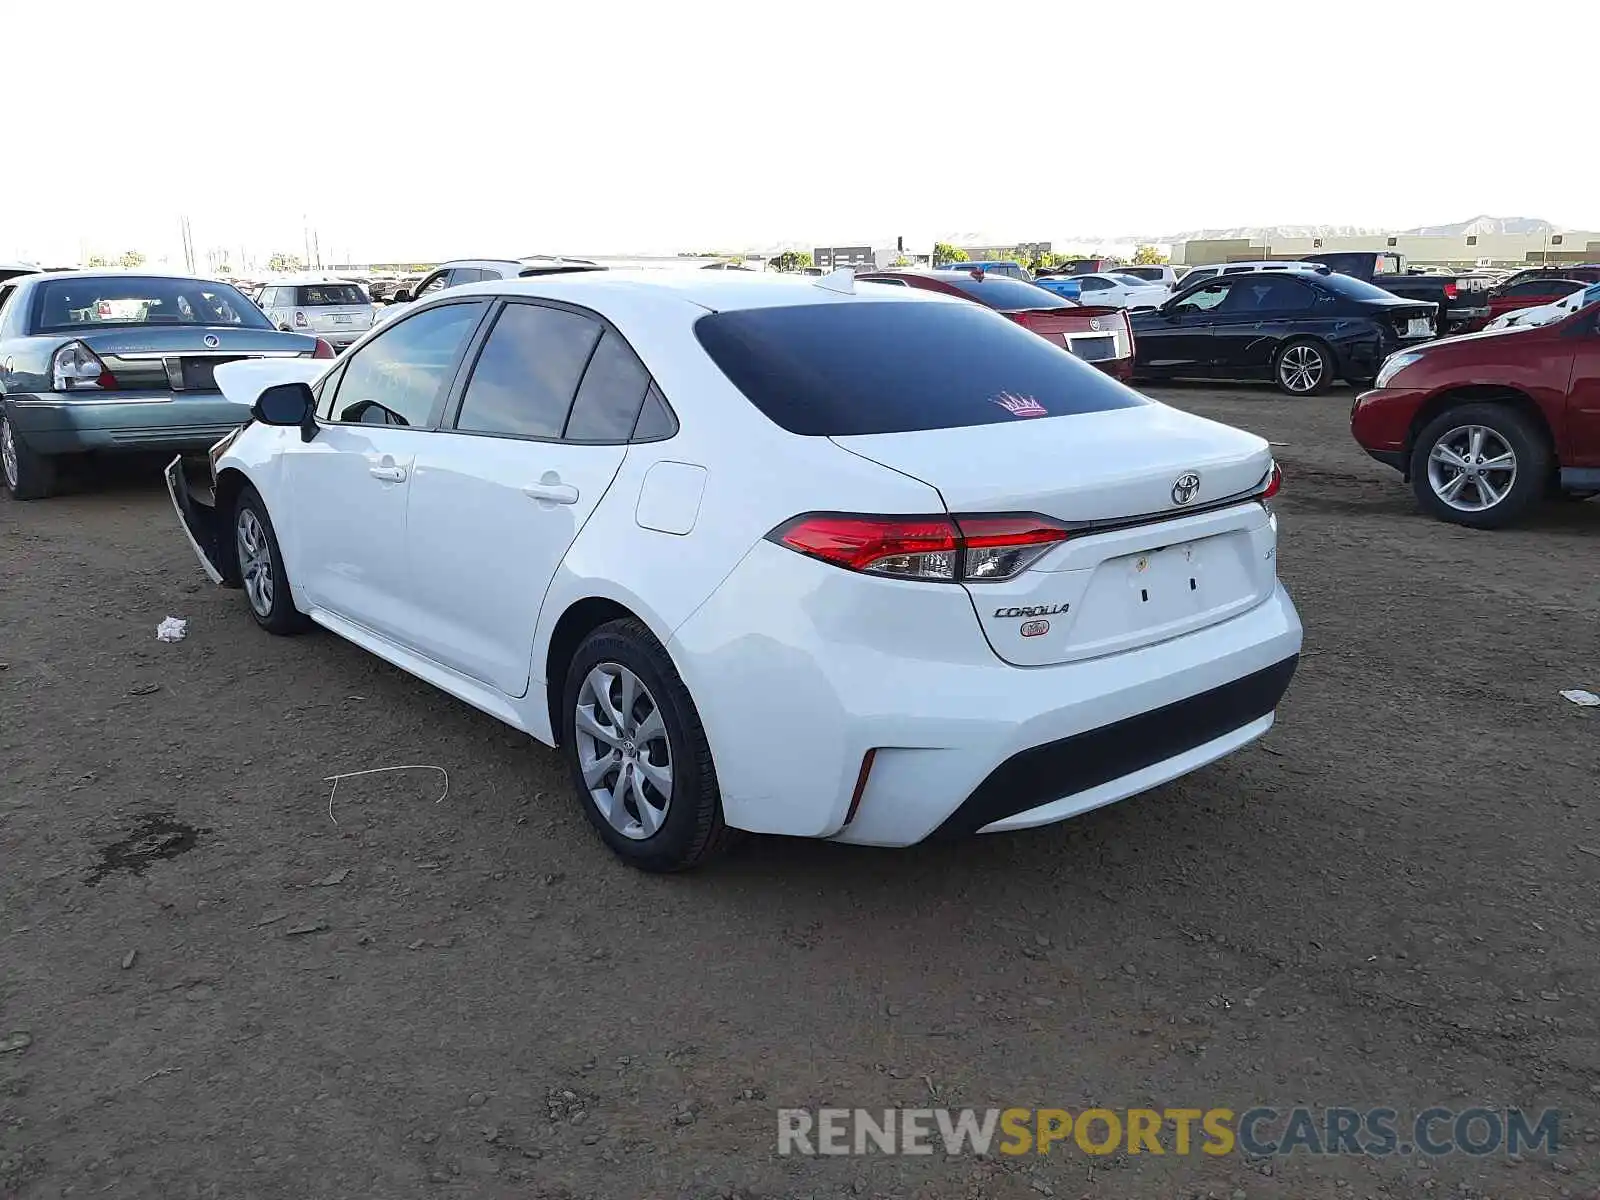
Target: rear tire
<point>628,726</point>
<point>260,567</point>
<point>26,475</point>
<point>1450,471</point>
<point>1304,367</point>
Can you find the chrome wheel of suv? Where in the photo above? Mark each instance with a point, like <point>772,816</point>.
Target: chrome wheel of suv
<point>1472,468</point>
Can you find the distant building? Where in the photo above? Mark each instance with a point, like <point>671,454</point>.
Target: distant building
<point>985,253</point>
<point>864,257</point>
<point>1460,250</point>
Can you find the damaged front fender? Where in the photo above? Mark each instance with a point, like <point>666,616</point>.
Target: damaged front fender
<point>206,528</point>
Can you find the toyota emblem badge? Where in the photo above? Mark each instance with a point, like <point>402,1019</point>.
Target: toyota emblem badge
<point>212,341</point>
<point>1094,322</point>
<point>1185,487</point>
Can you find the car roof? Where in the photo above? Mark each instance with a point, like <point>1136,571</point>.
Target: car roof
<point>714,291</point>
<point>109,273</point>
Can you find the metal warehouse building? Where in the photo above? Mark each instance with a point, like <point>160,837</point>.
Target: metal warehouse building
<point>1464,250</point>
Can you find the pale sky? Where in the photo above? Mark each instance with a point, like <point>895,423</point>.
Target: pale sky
<point>465,128</point>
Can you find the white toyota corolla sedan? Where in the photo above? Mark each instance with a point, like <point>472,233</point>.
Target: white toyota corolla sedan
<point>769,554</point>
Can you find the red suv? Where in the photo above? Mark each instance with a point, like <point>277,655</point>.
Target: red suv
<point>1486,424</point>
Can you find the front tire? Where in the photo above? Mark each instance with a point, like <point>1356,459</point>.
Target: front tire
<point>638,753</point>
<point>261,571</point>
<point>1480,465</point>
<point>1304,368</point>
<point>26,475</point>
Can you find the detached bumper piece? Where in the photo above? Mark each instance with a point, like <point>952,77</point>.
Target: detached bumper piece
<point>205,528</point>
<point>1042,774</point>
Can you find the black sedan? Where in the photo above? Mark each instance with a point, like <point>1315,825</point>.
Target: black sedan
<point>1300,329</point>
<point>97,363</point>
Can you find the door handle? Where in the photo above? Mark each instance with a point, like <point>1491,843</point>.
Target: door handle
<point>551,493</point>
<point>388,474</point>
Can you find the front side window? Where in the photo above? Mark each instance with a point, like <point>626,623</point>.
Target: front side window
<point>91,301</point>
<point>1094,283</point>
<point>1204,300</point>
<point>465,275</point>
<point>401,376</point>
<point>528,373</point>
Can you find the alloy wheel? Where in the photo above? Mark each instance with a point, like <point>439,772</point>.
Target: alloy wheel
<point>255,561</point>
<point>8,453</point>
<point>623,750</point>
<point>1472,468</point>
<point>1301,368</point>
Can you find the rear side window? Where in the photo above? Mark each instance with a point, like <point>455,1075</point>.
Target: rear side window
<point>1006,294</point>
<point>528,372</point>
<point>609,398</point>
<point>890,367</point>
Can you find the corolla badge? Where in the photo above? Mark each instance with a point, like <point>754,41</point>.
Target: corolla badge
<point>212,341</point>
<point>1186,487</point>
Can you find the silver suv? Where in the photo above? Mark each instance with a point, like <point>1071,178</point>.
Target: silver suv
<point>336,310</point>
<point>475,270</point>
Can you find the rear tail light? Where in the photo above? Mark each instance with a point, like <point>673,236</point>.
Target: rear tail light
<point>969,549</point>
<point>300,321</point>
<point>75,368</point>
<point>1274,484</point>
<point>323,350</point>
<point>1449,291</point>
<point>1122,334</point>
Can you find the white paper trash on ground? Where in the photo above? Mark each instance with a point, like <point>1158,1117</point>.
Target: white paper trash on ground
<point>1581,698</point>
<point>173,629</point>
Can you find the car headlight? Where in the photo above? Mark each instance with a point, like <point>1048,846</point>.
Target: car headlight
<point>1394,364</point>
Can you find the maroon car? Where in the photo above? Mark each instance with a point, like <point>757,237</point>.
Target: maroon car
<point>1097,335</point>
<point>1486,424</point>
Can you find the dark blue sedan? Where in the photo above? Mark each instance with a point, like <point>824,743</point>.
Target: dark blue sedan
<point>98,362</point>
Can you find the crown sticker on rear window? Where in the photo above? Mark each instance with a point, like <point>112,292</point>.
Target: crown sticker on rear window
<point>1021,406</point>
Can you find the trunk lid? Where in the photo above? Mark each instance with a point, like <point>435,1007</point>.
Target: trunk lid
<point>1138,566</point>
<point>340,318</point>
<point>180,359</point>
<point>1093,333</point>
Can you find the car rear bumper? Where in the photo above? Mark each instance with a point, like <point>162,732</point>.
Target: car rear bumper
<point>799,669</point>
<point>123,422</point>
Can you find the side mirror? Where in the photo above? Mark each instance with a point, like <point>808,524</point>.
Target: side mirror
<point>401,296</point>
<point>287,405</point>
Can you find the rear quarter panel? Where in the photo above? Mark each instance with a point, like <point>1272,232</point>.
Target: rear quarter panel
<point>756,476</point>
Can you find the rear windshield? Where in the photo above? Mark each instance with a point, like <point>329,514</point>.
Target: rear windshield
<point>326,295</point>
<point>1145,273</point>
<point>89,301</point>
<point>1351,288</point>
<point>1006,294</point>
<point>855,368</point>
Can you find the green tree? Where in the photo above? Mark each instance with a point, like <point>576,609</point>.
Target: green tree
<point>283,262</point>
<point>1047,261</point>
<point>131,259</point>
<point>1149,256</point>
<point>98,260</point>
<point>790,260</point>
<point>944,252</point>
<point>901,261</point>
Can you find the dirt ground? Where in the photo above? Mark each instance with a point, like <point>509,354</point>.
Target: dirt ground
<point>1390,901</point>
